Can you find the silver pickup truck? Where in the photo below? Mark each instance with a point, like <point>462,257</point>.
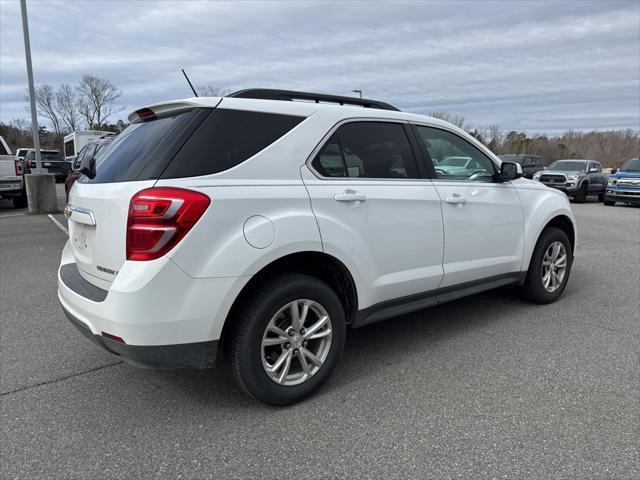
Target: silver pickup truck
<point>11,177</point>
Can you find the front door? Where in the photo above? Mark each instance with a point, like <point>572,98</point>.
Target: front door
<point>483,220</point>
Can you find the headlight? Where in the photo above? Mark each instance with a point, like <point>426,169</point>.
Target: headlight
<point>536,176</point>
<point>573,177</point>
<point>612,181</point>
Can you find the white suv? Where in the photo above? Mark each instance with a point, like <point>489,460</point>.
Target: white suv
<point>269,221</point>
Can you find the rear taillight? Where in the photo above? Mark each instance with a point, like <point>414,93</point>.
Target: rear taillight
<point>158,219</point>
<point>18,165</point>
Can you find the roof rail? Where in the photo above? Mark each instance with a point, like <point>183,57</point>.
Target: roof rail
<point>290,95</point>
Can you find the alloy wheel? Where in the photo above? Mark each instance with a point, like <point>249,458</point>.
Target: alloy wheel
<point>554,266</point>
<point>296,342</point>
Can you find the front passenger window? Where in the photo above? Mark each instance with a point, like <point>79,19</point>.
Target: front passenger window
<point>454,158</point>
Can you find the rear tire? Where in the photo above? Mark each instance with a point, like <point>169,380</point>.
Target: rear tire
<point>581,196</point>
<point>542,268</point>
<point>21,201</point>
<point>263,337</point>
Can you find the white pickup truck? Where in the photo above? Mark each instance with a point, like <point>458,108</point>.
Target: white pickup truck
<point>11,177</point>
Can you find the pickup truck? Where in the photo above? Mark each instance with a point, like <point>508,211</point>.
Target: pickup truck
<point>52,160</point>
<point>576,178</point>
<point>624,184</point>
<point>11,177</point>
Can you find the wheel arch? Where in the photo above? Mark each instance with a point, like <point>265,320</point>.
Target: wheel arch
<point>320,265</point>
<point>561,221</point>
<point>564,223</point>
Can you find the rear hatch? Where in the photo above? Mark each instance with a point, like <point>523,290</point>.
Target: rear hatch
<point>167,141</point>
<point>98,203</point>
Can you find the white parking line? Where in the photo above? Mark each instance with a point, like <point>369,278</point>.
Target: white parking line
<point>12,215</point>
<point>59,225</point>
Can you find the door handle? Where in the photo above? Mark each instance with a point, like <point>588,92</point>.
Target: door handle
<point>350,196</point>
<point>456,199</point>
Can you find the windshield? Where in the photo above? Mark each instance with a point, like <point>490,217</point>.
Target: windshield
<point>454,161</point>
<point>632,165</point>
<point>568,165</point>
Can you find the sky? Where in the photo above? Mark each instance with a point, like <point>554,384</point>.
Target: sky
<point>539,67</point>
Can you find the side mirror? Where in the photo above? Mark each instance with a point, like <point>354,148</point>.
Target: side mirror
<point>613,171</point>
<point>510,171</point>
<point>593,170</point>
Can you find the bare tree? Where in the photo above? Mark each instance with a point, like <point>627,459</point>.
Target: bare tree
<point>67,107</point>
<point>22,125</point>
<point>457,120</point>
<point>211,91</point>
<point>46,105</point>
<point>97,98</point>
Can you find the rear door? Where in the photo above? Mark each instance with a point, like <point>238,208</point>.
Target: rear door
<point>375,211</point>
<point>483,220</point>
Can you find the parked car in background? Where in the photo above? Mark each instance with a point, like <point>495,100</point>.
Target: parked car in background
<point>530,163</point>
<point>21,153</point>
<point>456,166</point>
<point>623,184</point>
<point>85,161</point>
<point>228,223</point>
<point>11,177</point>
<point>76,141</point>
<point>52,160</point>
<point>576,178</point>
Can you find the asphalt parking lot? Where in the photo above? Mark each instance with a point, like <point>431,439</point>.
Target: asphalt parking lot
<point>487,387</point>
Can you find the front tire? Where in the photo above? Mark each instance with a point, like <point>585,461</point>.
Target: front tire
<point>549,268</point>
<point>581,196</point>
<point>286,339</point>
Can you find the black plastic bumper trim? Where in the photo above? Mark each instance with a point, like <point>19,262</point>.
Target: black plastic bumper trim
<point>72,279</point>
<point>199,355</point>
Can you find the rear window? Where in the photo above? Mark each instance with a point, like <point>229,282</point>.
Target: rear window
<point>188,144</point>
<point>227,138</point>
<point>143,150</point>
<point>45,155</point>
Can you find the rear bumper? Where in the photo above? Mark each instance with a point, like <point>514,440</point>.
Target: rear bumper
<point>198,355</point>
<point>165,317</point>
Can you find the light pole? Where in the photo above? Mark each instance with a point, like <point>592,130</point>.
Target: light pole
<point>359,92</point>
<point>40,185</point>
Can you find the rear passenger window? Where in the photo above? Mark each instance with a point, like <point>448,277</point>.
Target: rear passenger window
<point>227,138</point>
<point>367,150</point>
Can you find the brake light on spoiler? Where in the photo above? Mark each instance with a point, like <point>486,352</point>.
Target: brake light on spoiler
<point>159,217</point>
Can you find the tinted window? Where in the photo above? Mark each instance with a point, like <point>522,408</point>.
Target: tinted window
<point>143,150</point>
<point>227,138</point>
<point>367,150</point>
<point>3,151</point>
<point>47,155</point>
<point>454,158</point>
<point>329,161</point>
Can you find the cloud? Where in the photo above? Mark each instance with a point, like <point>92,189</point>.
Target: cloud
<point>535,66</point>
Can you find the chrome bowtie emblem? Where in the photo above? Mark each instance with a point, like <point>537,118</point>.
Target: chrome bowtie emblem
<point>67,211</point>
